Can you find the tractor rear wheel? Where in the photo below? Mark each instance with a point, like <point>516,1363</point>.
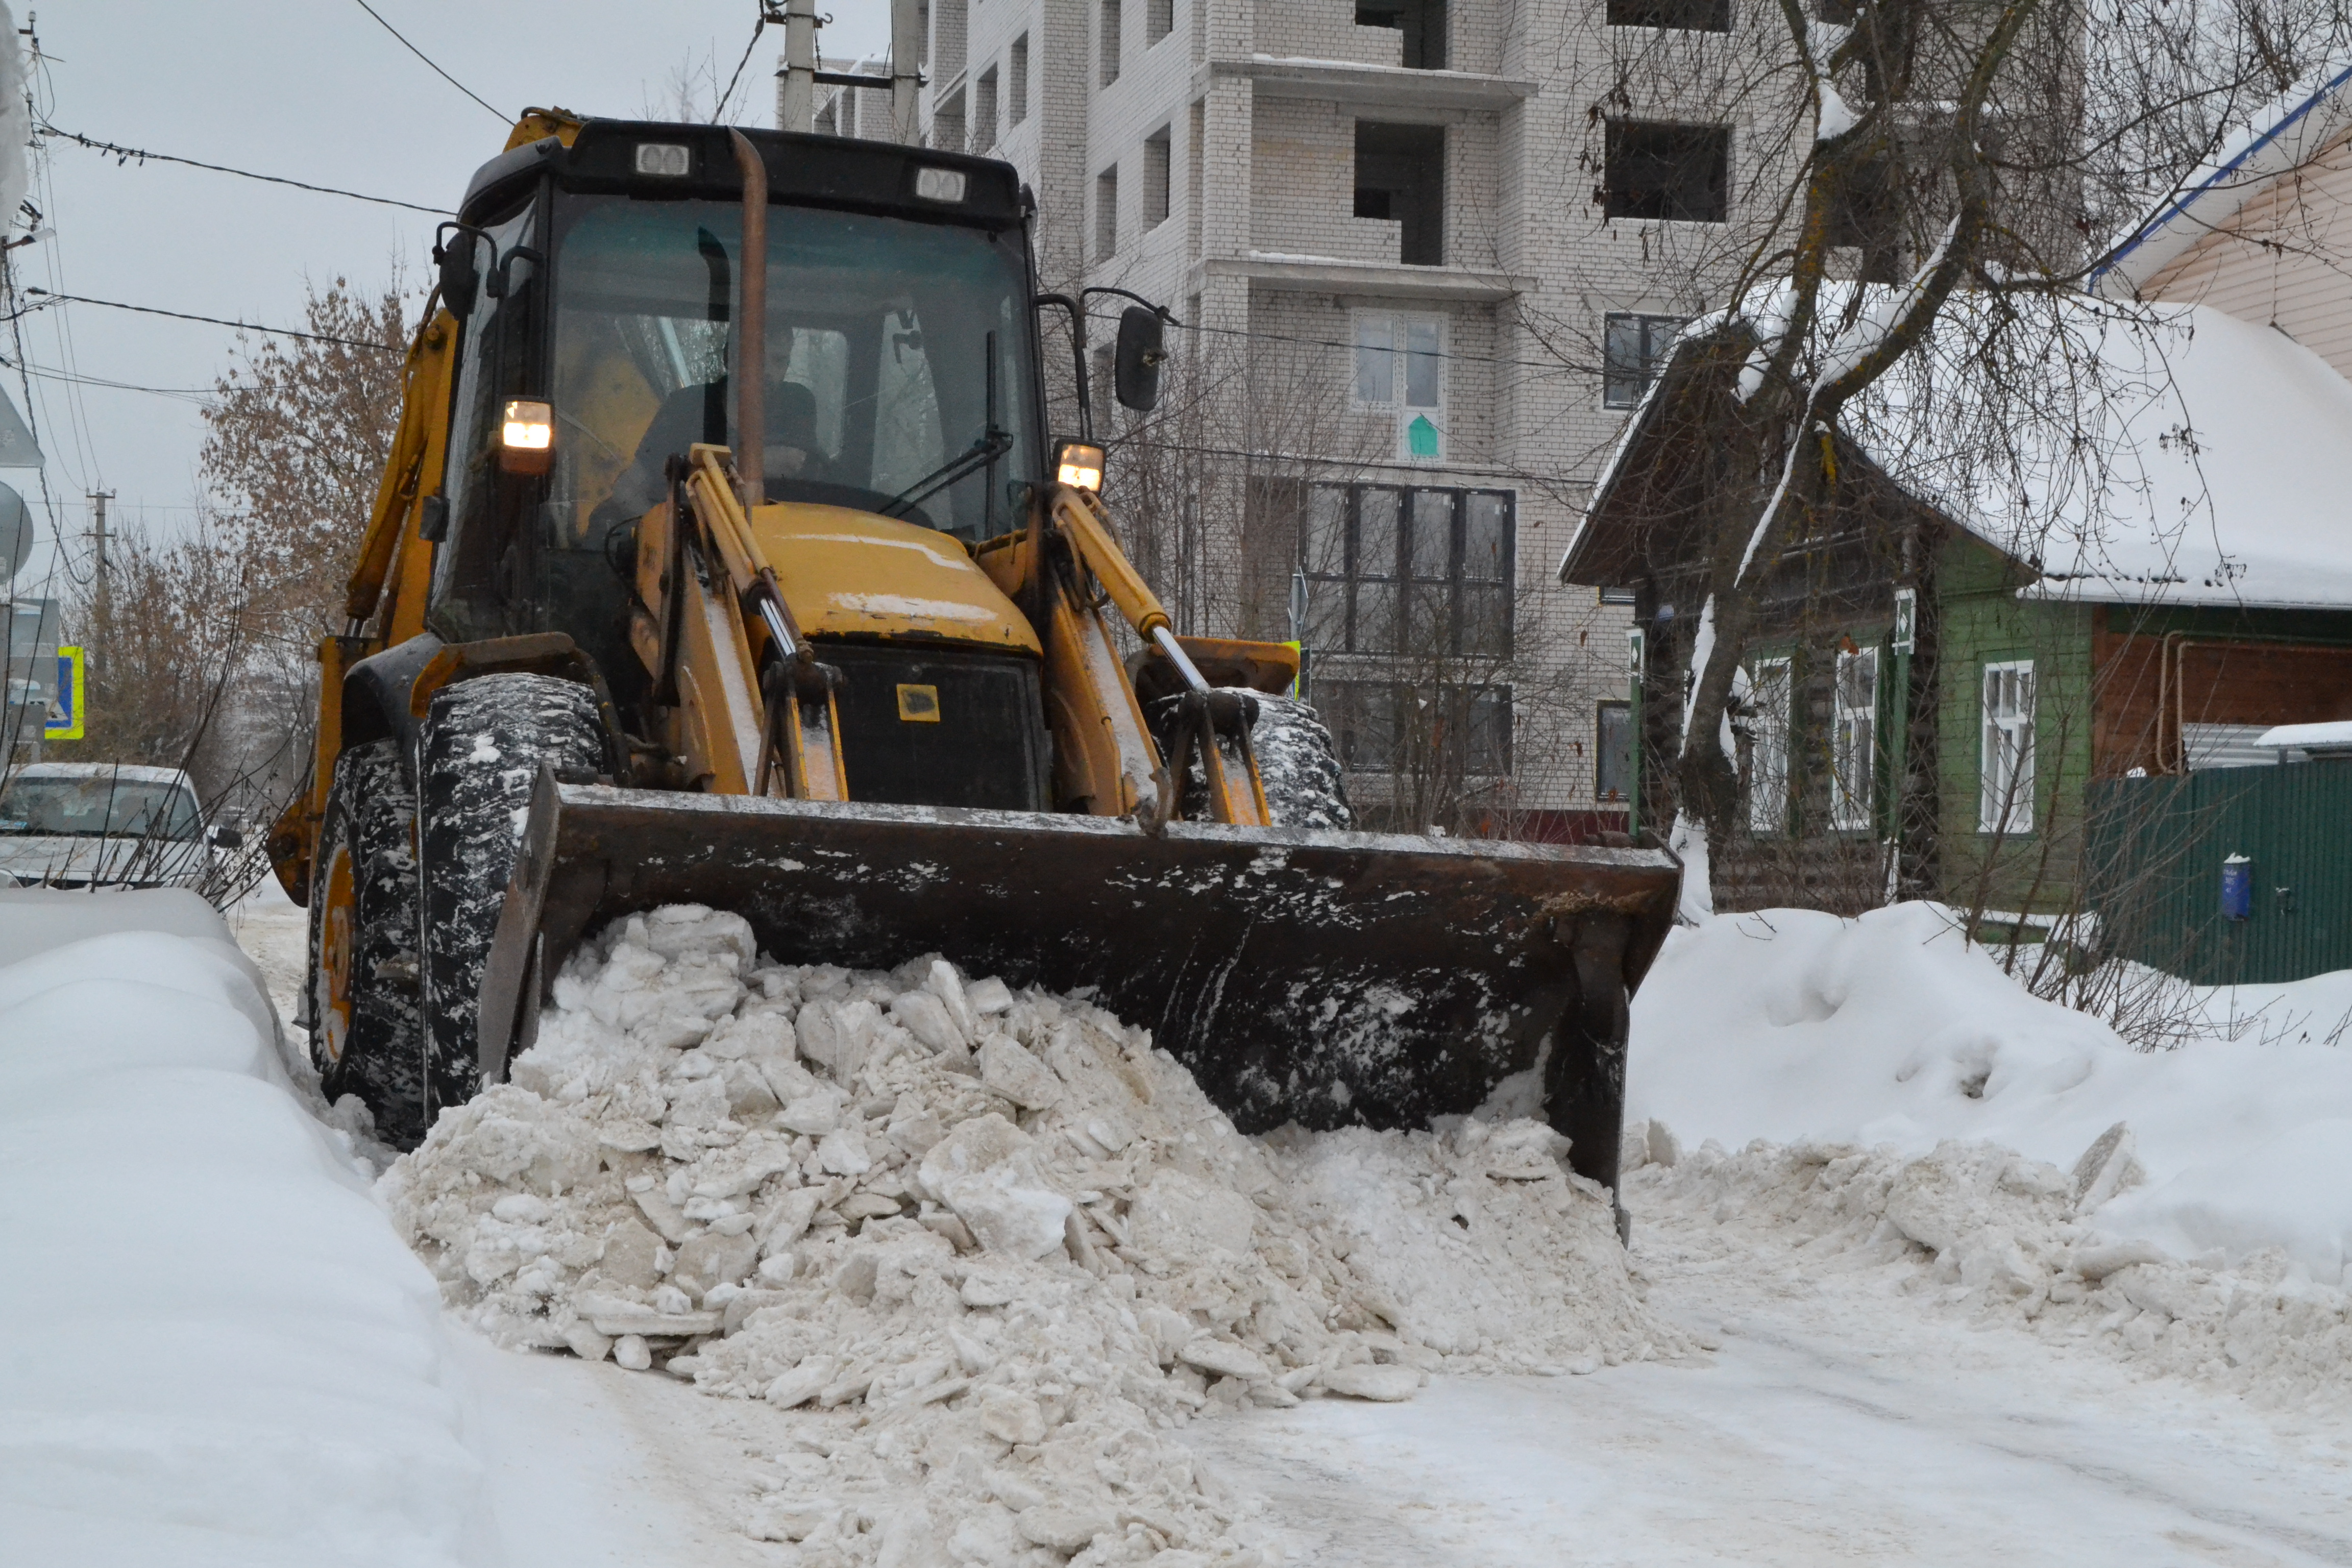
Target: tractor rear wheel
<point>365,1036</point>
<point>483,744</point>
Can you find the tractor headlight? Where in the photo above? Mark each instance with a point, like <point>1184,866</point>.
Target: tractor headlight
<point>1079,466</point>
<point>526,437</point>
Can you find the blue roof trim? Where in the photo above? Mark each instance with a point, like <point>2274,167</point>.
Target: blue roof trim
<point>2187,198</point>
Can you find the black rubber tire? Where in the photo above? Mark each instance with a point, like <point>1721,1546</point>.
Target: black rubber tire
<point>478,758</point>
<point>1296,763</point>
<point>380,1056</point>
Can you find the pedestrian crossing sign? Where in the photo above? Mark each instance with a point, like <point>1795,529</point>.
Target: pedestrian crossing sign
<point>66,708</point>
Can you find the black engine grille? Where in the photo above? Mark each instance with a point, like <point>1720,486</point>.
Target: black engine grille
<point>935,727</point>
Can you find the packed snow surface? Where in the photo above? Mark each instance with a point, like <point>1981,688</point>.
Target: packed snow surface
<point>216,1351</point>
<point>992,1245</point>
<point>1893,1030</point>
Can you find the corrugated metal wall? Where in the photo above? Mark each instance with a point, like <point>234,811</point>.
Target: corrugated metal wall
<point>2157,847</point>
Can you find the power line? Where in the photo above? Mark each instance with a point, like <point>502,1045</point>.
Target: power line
<point>757,28</point>
<point>215,320</point>
<point>421,55</point>
<point>123,155</point>
<point>50,372</point>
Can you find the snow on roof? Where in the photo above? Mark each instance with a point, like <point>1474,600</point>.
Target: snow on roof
<point>2206,461</point>
<point>2335,735</point>
<point>2137,454</point>
<point>2289,130</point>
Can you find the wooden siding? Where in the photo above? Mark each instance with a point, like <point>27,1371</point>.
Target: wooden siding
<point>1985,622</point>
<point>2275,261</point>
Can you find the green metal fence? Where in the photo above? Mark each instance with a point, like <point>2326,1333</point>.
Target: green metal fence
<point>2157,846</point>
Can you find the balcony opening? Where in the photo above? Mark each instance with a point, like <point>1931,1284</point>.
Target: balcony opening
<point>1683,15</point>
<point>984,111</point>
<point>1155,178</point>
<point>1401,177</point>
<point>1422,22</point>
<point>1668,174</point>
<point>1107,214</point>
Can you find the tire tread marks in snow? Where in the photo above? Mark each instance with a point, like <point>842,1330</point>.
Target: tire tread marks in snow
<point>372,811</point>
<point>1296,762</point>
<point>483,743</point>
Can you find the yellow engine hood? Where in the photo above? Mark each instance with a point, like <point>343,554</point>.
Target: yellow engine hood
<point>851,574</point>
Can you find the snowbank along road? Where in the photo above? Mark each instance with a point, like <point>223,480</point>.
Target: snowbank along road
<point>918,1270</point>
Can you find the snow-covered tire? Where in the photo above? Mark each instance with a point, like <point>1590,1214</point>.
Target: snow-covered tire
<point>366,1037</point>
<point>1296,763</point>
<point>478,758</point>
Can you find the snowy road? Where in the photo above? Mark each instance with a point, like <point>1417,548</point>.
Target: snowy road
<point>1842,1421</point>
<point>1849,1416</point>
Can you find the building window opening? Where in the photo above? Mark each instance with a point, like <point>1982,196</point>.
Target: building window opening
<point>1401,177</point>
<point>1400,367</point>
<point>1421,570</point>
<point>1854,755</point>
<point>1769,716</point>
<point>1423,23</point>
<point>1634,352</point>
<point>1681,16</point>
<point>1110,17</point>
<point>2005,802</point>
<point>1668,174</point>
<point>1107,214</point>
<point>984,111</point>
<point>1017,67</point>
<point>1158,20</point>
<point>1155,178</point>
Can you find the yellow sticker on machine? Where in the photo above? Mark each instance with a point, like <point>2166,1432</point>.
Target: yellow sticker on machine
<point>919,704</point>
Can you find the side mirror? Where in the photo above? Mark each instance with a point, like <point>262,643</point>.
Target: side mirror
<point>1136,370</point>
<point>432,520</point>
<point>226,838</point>
<point>461,274</point>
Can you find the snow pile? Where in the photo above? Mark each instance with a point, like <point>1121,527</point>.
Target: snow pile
<point>2010,1239</point>
<point>218,1352</point>
<point>999,1236</point>
<point>1893,1029</point>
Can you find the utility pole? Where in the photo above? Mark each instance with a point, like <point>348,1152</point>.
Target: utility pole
<point>906,70</point>
<point>796,100</point>
<point>105,627</point>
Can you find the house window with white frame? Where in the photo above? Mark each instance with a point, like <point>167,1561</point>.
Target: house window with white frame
<point>1400,371</point>
<point>1770,712</point>
<point>1853,754</point>
<point>2005,800</point>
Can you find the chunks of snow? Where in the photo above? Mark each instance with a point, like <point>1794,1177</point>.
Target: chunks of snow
<point>997,1228</point>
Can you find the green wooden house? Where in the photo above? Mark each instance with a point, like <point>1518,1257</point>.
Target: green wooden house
<point>1954,677</point>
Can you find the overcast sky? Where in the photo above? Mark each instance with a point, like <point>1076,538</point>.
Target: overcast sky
<point>313,90</point>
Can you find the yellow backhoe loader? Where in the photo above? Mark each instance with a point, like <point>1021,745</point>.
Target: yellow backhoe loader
<point>723,557</point>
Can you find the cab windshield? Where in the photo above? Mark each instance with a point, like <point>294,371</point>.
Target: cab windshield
<point>893,349</point>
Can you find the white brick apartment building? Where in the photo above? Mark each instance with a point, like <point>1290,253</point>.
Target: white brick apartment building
<point>1388,226</point>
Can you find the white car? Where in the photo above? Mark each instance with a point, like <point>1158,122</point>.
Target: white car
<point>72,825</point>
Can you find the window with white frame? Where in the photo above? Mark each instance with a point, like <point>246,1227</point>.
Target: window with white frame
<point>1633,350</point>
<point>1770,711</point>
<point>1401,370</point>
<point>1854,755</point>
<point>2005,802</point>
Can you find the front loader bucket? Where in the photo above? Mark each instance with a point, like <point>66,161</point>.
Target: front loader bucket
<point>1326,978</point>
